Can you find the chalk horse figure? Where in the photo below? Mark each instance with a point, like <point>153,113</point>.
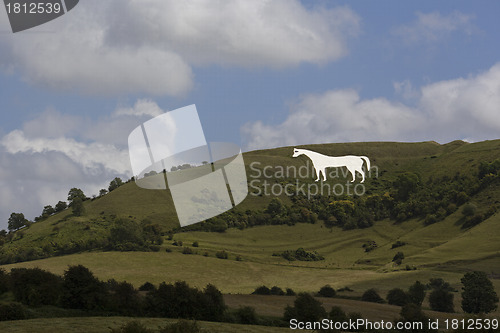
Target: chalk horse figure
<point>321,162</point>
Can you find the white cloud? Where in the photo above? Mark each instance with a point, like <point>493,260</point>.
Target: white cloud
<point>41,161</point>
<point>432,27</point>
<point>143,107</point>
<point>273,33</point>
<point>132,46</point>
<point>445,111</point>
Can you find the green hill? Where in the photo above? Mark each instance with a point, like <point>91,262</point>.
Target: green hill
<point>443,248</point>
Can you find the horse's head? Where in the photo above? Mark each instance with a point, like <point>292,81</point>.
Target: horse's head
<point>297,152</point>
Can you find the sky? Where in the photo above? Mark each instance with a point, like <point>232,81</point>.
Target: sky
<point>262,74</point>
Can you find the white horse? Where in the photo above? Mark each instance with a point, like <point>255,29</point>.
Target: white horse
<point>321,162</point>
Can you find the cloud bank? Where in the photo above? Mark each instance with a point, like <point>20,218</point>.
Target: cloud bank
<point>149,47</point>
<point>462,108</point>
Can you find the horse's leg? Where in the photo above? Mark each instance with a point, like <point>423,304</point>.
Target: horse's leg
<point>353,173</point>
<point>317,174</point>
<point>362,174</point>
<point>324,174</point>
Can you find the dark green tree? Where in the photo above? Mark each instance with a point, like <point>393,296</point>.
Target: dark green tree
<point>16,221</point>
<point>77,207</point>
<point>441,300</point>
<point>35,287</point>
<point>75,193</point>
<point>397,296</point>
<point>114,184</point>
<point>371,295</point>
<point>478,294</point>
<point>306,308</point>
<point>60,206</point>
<point>82,290</point>
<point>406,184</point>
<point>327,291</point>
<point>416,293</point>
<point>47,211</point>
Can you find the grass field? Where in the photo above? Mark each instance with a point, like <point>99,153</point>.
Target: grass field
<point>103,325</point>
<point>442,249</point>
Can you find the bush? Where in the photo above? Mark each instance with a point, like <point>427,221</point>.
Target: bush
<point>398,258</point>
<point>277,291</point>
<point>222,254</point>
<point>262,290</point>
<point>306,308</point>
<point>148,286</point>
<point>397,296</point>
<point>195,244</point>
<point>182,326</point>
<point>327,291</point>
<point>302,255</point>
<point>187,250</point>
<point>469,209</point>
<point>246,315</point>
<point>398,244</point>
<point>290,292</point>
<point>131,327</point>
<point>12,311</point>
<point>371,295</point>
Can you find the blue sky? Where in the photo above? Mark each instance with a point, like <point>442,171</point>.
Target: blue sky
<point>262,74</point>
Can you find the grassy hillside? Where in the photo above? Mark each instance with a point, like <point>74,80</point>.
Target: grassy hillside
<point>444,249</point>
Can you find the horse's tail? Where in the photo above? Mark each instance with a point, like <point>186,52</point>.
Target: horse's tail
<point>367,160</point>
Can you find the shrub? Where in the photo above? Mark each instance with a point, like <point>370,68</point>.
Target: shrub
<point>12,311</point>
<point>398,258</point>
<point>221,254</point>
<point>262,290</point>
<point>277,291</point>
<point>371,295</point>
<point>302,255</point>
<point>132,327</point>
<point>397,296</point>
<point>187,250</point>
<point>290,292</point>
<point>327,291</point>
<point>147,286</point>
<point>246,315</point>
<point>182,326</point>
<point>398,244</point>
<point>306,308</point>
<point>195,244</point>
<point>337,314</point>
<point>469,209</point>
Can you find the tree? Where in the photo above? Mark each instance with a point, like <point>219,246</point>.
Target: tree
<point>77,206</point>
<point>81,289</point>
<point>478,294</point>
<point>75,193</point>
<point>416,293</point>
<point>398,258</point>
<point>60,206</point>
<point>47,211</point>
<point>102,192</point>
<point>397,296</point>
<point>327,291</point>
<point>306,308</point>
<point>16,221</point>
<point>371,295</point>
<point>114,184</point>
<point>406,184</point>
<point>441,300</point>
